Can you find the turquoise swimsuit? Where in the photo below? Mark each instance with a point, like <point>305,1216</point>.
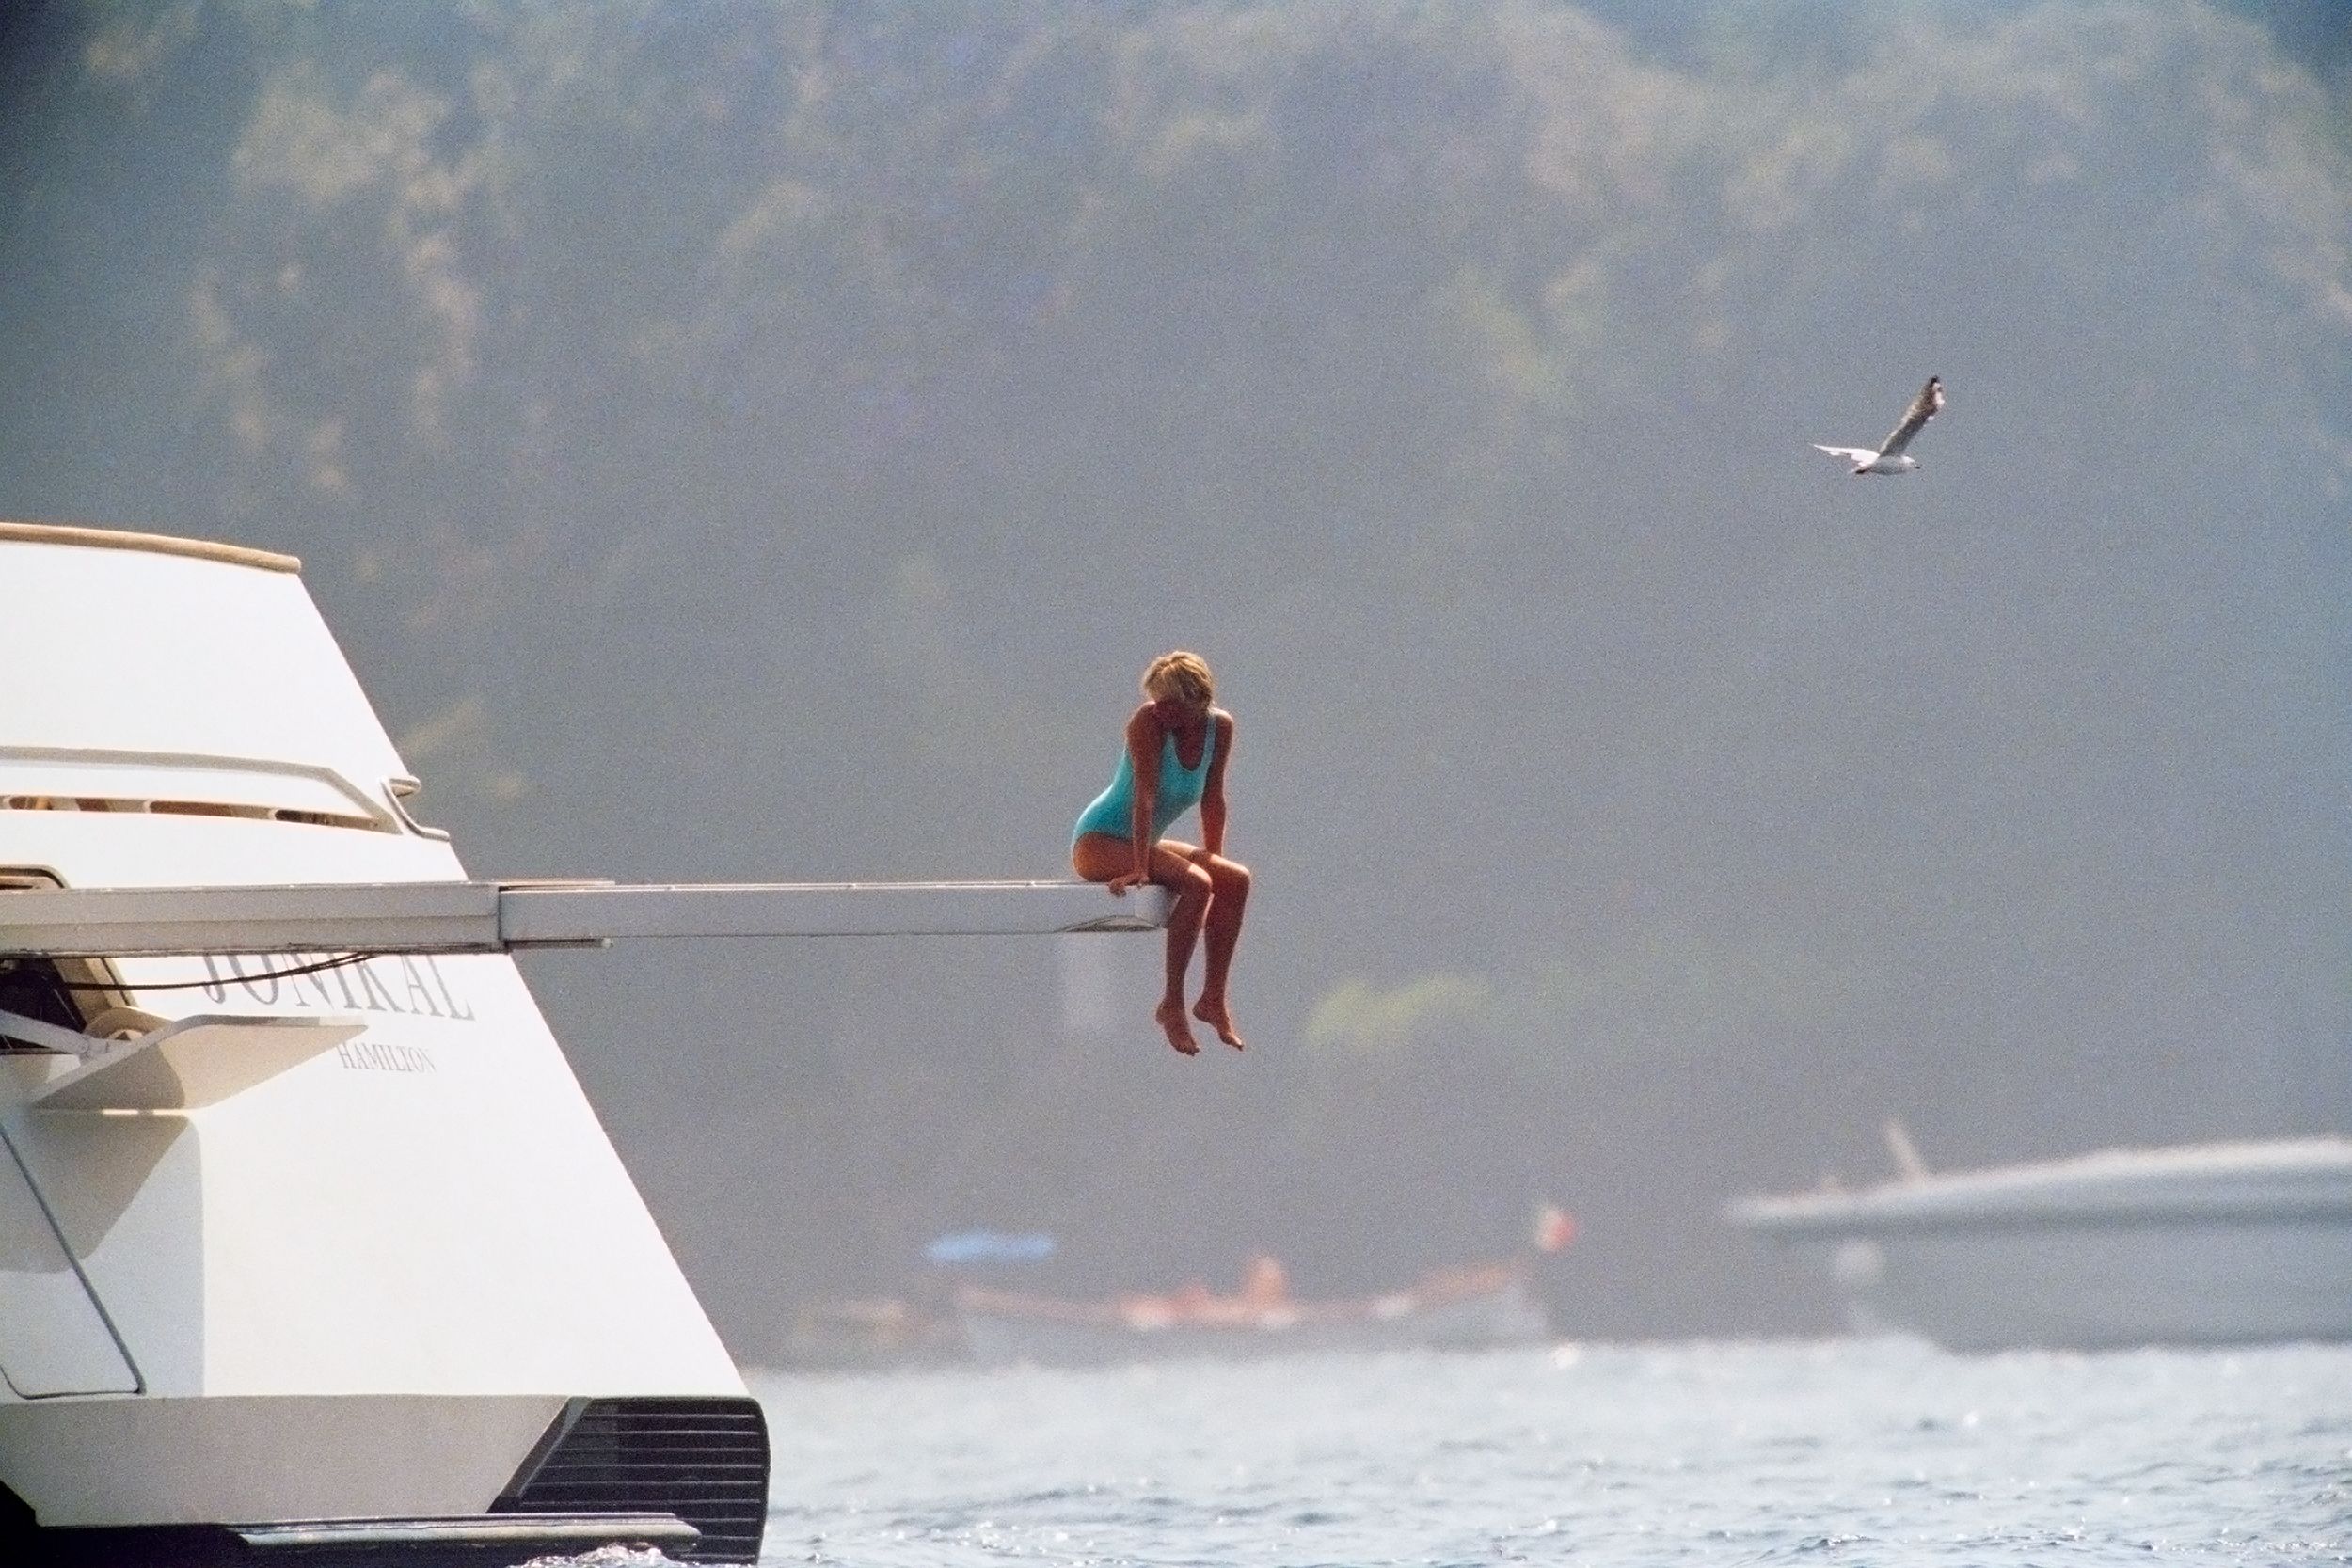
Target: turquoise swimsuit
<point>1113,811</point>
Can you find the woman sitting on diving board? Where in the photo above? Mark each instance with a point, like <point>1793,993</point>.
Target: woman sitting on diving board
<point>1177,746</point>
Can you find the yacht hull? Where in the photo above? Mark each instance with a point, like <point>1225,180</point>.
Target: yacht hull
<point>223,1459</point>
<point>302,1256</point>
<point>462,1542</point>
<point>2214,1244</point>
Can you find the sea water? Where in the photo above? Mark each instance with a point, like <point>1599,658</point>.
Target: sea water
<point>1847,1452</point>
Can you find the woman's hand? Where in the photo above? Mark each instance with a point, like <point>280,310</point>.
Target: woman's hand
<point>1125,880</point>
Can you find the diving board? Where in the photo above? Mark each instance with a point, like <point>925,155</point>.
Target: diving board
<point>518,916</point>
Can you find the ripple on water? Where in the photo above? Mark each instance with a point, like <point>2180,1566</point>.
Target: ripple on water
<point>1861,1453</point>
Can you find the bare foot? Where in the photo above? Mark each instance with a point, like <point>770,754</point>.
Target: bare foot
<point>1170,1018</point>
<point>1215,1015</point>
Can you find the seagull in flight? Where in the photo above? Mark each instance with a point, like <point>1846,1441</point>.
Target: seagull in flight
<point>1889,458</point>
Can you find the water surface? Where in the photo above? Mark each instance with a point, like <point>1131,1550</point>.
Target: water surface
<point>1853,1452</point>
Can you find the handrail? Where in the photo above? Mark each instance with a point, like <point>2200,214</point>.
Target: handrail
<point>380,814</point>
<point>153,543</point>
<point>81,1275</point>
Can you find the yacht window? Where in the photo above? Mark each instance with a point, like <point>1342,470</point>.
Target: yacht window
<point>32,988</point>
<point>68,993</point>
<point>48,777</point>
<point>182,808</point>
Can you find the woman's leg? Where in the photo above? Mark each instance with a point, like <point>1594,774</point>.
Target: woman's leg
<point>1229,898</point>
<point>1100,857</point>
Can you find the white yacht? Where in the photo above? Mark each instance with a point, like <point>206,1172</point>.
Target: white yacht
<point>309,1243</point>
<point>2211,1243</point>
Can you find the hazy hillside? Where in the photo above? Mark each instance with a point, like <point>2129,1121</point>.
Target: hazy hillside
<point>737,439</point>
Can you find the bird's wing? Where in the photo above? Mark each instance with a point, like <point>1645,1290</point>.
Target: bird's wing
<point>1922,409</point>
<point>1851,455</point>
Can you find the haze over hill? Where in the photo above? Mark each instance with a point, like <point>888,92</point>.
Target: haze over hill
<point>736,440</point>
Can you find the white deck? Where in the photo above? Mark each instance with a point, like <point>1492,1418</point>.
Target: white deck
<point>192,1063</point>
<point>506,917</point>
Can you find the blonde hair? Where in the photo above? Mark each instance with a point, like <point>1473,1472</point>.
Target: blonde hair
<point>1180,675</point>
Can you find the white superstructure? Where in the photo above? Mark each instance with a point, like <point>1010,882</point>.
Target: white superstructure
<point>296,1250</point>
<point>2208,1243</point>
<point>367,1285</point>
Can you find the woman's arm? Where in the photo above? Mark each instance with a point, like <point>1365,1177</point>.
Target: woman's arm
<point>1213,792</point>
<point>1143,753</point>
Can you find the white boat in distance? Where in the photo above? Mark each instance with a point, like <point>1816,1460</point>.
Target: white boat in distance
<point>310,1244</point>
<point>2199,1245</point>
